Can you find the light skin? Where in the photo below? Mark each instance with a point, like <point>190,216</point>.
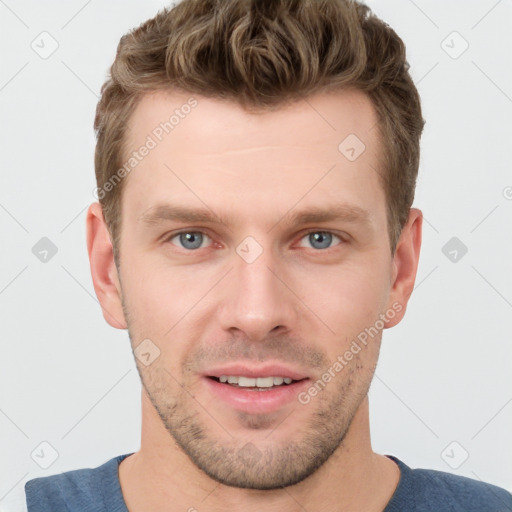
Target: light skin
<point>316,285</point>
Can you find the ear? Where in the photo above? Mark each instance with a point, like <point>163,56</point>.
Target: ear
<point>103,268</point>
<point>404,266</point>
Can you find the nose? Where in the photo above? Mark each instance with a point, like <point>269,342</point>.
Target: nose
<point>259,298</point>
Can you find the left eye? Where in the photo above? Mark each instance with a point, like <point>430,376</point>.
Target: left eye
<point>194,239</point>
<point>320,239</point>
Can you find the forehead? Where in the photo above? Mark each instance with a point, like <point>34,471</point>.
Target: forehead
<point>324,118</point>
<point>207,150</point>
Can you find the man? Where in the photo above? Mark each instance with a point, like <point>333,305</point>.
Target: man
<point>256,165</point>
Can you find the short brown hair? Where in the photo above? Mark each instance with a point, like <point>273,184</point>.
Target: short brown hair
<point>263,54</point>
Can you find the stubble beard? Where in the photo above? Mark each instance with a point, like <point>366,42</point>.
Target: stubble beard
<point>235,461</point>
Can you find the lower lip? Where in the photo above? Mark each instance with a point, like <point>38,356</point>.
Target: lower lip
<point>254,401</point>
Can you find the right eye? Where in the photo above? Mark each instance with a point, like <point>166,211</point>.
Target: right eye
<point>190,240</point>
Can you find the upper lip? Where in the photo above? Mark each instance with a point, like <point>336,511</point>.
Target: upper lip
<point>243,370</point>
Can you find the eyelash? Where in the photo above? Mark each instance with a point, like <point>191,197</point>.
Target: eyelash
<point>173,235</point>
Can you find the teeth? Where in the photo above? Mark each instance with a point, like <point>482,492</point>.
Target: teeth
<point>263,382</point>
<point>250,382</point>
<point>246,381</point>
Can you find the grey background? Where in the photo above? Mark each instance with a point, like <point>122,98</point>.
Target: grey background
<point>442,390</point>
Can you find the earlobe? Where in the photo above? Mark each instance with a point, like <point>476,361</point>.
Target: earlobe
<point>103,269</point>
<point>405,265</point>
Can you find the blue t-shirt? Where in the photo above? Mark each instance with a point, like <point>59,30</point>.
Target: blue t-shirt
<point>418,490</point>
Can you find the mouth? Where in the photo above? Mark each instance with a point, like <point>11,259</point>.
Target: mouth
<point>255,391</point>
<point>255,383</point>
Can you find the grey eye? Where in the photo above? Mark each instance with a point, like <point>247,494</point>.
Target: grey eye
<point>191,239</point>
<point>320,239</point>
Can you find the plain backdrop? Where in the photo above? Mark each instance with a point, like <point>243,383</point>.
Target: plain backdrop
<point>442,394</point>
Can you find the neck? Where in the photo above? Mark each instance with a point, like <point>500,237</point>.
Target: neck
<point>353,478</point>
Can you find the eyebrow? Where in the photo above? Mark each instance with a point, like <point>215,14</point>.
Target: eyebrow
<point>346,212</point>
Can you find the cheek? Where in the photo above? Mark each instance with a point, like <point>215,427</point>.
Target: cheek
<point>347,297</point>
<point>162,300</point>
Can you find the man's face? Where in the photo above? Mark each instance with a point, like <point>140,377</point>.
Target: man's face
<point>256,290</point>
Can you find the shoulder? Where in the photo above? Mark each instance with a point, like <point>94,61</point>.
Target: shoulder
<point>74,490</point>
<point>468,493</point>
<point>423,490</point>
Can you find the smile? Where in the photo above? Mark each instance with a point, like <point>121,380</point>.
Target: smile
<point>255,382</point>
